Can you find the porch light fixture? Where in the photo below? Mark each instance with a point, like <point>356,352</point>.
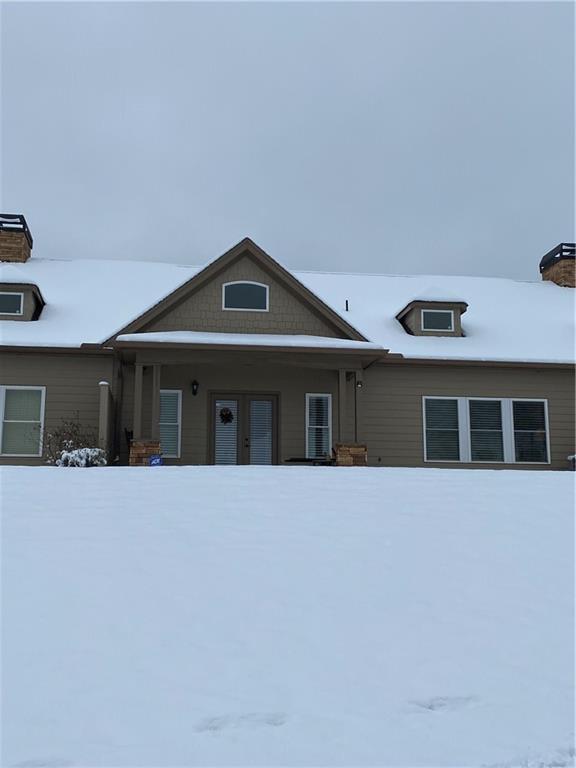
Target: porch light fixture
<point>195,387</point>
<point>359,384</point>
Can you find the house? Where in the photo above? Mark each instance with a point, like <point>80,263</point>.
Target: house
<point>246,362</point>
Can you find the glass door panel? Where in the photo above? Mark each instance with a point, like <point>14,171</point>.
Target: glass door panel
<point>226,431</point>
<point>261,437</point>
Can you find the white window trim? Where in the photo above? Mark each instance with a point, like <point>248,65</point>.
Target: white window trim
<point>318,394</point>
<point>465,434</point>
<point>14,314</point>
<point>243,309</point>
<point>3,389</point>
<point>436,312</point>
<point>171,423</point>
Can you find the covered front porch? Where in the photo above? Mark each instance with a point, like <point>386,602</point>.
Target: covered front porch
<point>263,405</point>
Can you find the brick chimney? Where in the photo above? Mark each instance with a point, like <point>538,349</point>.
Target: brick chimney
<point>559,265</point>
<point>15,238</point>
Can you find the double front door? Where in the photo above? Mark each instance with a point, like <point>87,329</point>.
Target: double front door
<point>244,428</point>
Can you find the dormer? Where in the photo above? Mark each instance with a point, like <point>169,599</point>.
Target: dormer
<point>433,318</point>
<point>20,301</point>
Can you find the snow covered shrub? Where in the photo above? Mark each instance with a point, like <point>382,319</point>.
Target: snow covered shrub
<point>70,436</point>
<point>82,457</point>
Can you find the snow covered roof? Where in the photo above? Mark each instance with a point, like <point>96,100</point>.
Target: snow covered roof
<point>88,301</point>
<point>248,340</point>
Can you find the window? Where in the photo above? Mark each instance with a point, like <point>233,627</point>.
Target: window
<point>11,303</point>
<point>318,426</point>
<point>530,433</point>
<point>486,436</point>
<point>437,319</point>
<point>489,430</point>
<point>246,296</point>
<point>442,435</point>
<point>170,422</point>
<point>22,420</point>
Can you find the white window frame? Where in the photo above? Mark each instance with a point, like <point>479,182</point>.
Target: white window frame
<point>243,309</point>
<point>318,394</point>
<point>465,434</point>
<point>437,312</point>
<point>179,393</point>
<point>14,314</point>
<point>3,389</point>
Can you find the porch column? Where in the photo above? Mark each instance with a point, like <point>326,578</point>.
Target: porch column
<point>341,405</point>
<point>104,416</point>
<point>358,402</point>
<point>137,420</point>
<point>155,426</point>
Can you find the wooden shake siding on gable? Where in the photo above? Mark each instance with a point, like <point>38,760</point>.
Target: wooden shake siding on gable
<point>391,420</point>
<point>71,382</point>
<point>202,311</point>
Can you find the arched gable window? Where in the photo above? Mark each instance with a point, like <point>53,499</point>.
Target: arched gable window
<point>246,296</point>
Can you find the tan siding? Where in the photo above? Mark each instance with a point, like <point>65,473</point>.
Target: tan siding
<point>391,408</point>
<point>202,311</point>
<point>71,382</point>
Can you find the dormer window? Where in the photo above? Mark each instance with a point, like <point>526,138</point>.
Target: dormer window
<point>11,303</point>
<point>245,296</point>
<point>437,319</point>
<point>430,317</point>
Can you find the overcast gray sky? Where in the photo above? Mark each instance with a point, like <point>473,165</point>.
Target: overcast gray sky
<point>376,137</point>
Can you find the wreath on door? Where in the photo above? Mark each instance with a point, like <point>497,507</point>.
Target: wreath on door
<point>226,416</point>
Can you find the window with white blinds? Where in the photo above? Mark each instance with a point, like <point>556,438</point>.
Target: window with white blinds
<point>22,410</point>
<point>170,422</point>
<point>488,430</point>
<point>530,433</point>
<point>318,425</point>
<point>441,427</point>
<point>486,435</point>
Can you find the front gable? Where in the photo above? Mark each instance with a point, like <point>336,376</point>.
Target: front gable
<point>198,304</point>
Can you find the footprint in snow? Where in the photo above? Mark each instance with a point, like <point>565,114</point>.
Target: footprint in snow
<point>444,703</point>
<point>249,720</point>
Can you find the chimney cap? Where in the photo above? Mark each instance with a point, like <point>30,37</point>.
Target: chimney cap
<point>15,222</point>
<point>561,251</point>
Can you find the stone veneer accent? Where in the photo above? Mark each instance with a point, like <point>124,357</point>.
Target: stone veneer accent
<point>351,455</point>
<point>14,246</point>
<point>561,272</point>
<point>141,450</point>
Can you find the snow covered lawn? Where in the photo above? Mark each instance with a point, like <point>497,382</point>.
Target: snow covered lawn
<point>287,616</point>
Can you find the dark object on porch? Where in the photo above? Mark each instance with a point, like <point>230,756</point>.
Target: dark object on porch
<point>572,461</point>
<point>350,455</point>
<point>141,451</point>
<point>128,434</point>
<point>326,462</point>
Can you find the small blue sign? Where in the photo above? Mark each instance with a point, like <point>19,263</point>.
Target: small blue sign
<point>155,460</point>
